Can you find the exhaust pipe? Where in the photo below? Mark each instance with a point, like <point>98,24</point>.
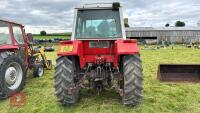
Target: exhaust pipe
<point>179,72</point>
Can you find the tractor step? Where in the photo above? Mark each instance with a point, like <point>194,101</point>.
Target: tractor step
<point>179,72</point>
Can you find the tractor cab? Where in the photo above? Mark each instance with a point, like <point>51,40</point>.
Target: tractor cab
<point>98,22</point>
<point>12,35</point>
<point>13,38</point>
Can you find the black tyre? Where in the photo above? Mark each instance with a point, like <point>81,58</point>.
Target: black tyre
<point>133,80</point>
<point>66,87</point>
<point>12,74</point>
<point>50,64</point>
<point>38,70</point>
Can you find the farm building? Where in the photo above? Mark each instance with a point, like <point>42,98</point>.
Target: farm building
<point>167,34</point>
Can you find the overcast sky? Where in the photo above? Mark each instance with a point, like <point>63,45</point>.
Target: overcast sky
<point>57,15</point>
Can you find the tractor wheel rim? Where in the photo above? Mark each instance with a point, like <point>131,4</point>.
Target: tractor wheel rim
<point>40,71</point>
<point>13,75</point>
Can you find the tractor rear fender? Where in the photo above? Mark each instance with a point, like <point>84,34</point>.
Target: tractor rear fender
<point>124,47</point>
<point>69,48</point>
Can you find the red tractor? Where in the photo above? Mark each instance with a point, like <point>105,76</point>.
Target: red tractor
<point>98,56</point>
<point>16,56</point>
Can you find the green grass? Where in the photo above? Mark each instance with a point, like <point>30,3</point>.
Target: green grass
<point>49,37</point>
<point>158,97</point>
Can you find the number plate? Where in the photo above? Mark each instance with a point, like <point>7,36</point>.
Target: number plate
<point>99,44</point>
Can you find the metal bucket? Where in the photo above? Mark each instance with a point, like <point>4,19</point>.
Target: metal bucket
<point>179,72</point>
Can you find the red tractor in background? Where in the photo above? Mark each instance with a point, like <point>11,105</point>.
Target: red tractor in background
<point>16,56</point>
<point>98,56</point>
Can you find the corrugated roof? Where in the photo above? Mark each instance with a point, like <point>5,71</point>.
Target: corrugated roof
<point>163,28</point>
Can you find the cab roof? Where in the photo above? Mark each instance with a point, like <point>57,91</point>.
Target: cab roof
<point>97,6</point>
<point>10,21</point>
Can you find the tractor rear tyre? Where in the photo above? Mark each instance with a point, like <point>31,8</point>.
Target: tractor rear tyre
<point>12,74</point>
<point>66,87</point>
<point>38,70</point>
<point>133,80</point>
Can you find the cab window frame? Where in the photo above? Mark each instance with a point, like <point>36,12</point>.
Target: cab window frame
<point>16,41</point>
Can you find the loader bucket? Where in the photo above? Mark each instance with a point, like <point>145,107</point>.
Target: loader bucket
<point>179,72</point>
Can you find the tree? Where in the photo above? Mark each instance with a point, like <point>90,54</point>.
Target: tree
<point>43,33</point>
<point>179,24</point>
<point>167,25</point>
<point>126,22</point>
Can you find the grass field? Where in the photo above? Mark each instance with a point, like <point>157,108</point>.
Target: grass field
<point>158,97</point>
<point>50,37</point>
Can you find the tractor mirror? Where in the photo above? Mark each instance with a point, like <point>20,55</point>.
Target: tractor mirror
<point>29,38</point>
